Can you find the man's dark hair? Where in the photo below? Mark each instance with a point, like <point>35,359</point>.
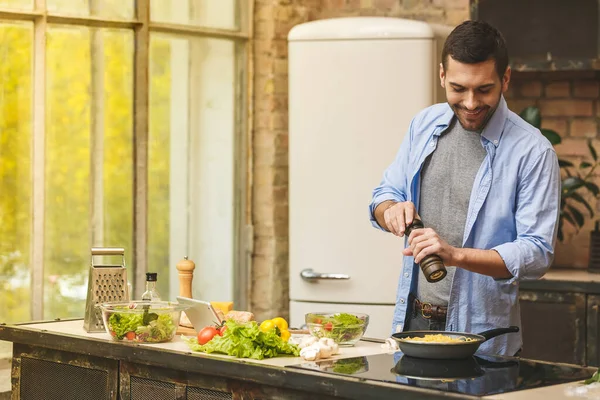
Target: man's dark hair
<point>476,41</point>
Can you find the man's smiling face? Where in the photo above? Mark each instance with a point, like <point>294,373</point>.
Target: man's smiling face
<point>473,91</point>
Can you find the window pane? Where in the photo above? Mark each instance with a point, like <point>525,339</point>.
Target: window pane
<point>88,158</point>
<point>207,13</point>
<point>191,162</point>
<point>118,9</point>
<point>20,4</point>
<point>16,45</point>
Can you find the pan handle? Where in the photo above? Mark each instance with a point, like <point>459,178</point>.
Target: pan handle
<point>492,333</point>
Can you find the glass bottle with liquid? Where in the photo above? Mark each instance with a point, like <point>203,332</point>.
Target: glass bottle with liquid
<point>151,294</point>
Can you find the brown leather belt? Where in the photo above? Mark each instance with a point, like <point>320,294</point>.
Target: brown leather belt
<point>430,311</point>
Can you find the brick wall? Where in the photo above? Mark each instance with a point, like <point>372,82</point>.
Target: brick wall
<point>273,19</point>
<point>569,105</point>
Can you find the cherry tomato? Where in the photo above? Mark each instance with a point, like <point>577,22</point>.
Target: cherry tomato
<point>318,321</point>
<point>130,335</point>
<point>328,326</point>
<point>113,333</point>
<point>222,330</point>
<point>206,334</point>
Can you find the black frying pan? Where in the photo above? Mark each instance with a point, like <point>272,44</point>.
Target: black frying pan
<point>446,351</point>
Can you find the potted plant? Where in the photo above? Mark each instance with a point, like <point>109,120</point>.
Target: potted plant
<point>577,180</point>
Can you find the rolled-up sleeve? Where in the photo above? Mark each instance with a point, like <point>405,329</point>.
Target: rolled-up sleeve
<point>394,185</point>
<point>537,210</point>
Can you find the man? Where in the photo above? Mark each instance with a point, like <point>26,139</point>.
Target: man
<point>486,185</point>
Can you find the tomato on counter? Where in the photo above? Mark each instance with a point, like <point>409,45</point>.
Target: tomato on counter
<point>206,334</point>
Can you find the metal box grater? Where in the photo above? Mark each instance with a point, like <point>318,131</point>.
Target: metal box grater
<point>106,283</point>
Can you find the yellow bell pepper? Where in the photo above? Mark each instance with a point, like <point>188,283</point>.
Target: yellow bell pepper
<point>276,323</point>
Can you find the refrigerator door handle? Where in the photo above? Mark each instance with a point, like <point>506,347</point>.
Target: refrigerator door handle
<point>311,276</point>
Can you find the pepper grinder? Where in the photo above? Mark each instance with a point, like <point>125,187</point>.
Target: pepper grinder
<point>432,265</point>
<point>186,275</point>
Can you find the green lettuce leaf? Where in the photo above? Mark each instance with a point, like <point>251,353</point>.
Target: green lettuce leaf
<point>245,341</point>
<point>594,378</point>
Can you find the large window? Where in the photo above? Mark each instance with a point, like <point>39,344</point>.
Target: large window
<point>122,124</point>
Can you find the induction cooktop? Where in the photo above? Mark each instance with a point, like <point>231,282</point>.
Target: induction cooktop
<point>478,375</point>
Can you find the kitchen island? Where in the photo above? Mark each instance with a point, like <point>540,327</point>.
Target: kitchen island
<point>60,360</point>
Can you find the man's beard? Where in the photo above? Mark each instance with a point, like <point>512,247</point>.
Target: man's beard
<point>473,122</point>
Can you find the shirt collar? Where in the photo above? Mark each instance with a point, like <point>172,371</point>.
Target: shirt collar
<point>493,129</point>
<point>495,126</point>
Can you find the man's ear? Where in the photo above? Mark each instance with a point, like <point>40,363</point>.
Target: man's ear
<point>506,79</point>
<point>442,76</point>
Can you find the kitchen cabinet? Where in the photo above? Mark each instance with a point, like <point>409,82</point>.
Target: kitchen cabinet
<point>554,326</point>
<point>593,330</point>
<point>561,318</point>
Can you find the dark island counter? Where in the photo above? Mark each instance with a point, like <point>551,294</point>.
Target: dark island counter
<point>59,360</point>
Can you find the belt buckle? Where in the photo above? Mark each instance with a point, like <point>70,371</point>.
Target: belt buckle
<point>426,307</point>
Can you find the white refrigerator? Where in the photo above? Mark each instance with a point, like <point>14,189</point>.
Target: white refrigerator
<point>354,85</point>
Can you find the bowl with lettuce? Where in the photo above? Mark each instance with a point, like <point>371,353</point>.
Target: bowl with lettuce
<point>141,321</point>
<point>344,328</point>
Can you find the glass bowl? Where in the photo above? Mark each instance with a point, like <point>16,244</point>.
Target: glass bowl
<point>343,327</point>
<point>141,321</point>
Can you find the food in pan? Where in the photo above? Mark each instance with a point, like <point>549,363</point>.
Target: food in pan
<point>439,338</point>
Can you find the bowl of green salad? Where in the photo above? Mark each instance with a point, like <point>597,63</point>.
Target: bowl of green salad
<point>141,321</point>
<point>344,328</point>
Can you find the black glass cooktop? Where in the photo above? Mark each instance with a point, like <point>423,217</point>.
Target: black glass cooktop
<point>478,375</point>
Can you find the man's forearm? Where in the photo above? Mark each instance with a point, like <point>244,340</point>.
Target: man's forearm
<point>380,211</point>
<point>485,262</point>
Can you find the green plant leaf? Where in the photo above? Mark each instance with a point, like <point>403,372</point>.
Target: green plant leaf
<point>592,187</point>
<point>584,164</point>
<point>568,217</point>
<point>572,183</point>
<point>577,197</point>
<point>592,151</point>
<point>552,136</point>
<point>577,215</point>
<point>565,163</point>
<point>532,115</point>
<point>560,235</point>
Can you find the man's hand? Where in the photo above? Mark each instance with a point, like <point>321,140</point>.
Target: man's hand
<point>426,241</point>
<point>423,242</point>
<point>394,216</point>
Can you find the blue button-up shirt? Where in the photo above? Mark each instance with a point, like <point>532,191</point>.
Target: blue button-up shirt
<point>513,209</point>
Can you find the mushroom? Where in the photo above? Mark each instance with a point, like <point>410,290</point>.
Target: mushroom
<point>310,353</point>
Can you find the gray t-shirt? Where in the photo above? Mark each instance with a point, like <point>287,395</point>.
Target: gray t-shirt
<point>446,182</point>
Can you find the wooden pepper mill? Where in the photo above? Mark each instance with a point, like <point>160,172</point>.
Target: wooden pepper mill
<point>186,275</point>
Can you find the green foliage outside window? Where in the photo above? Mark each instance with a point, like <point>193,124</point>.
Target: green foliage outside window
<point>69,121</point>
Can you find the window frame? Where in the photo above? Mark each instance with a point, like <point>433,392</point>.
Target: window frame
<point>142,27</point>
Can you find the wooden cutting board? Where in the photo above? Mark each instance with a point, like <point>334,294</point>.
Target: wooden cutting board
<point>182,330</point>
